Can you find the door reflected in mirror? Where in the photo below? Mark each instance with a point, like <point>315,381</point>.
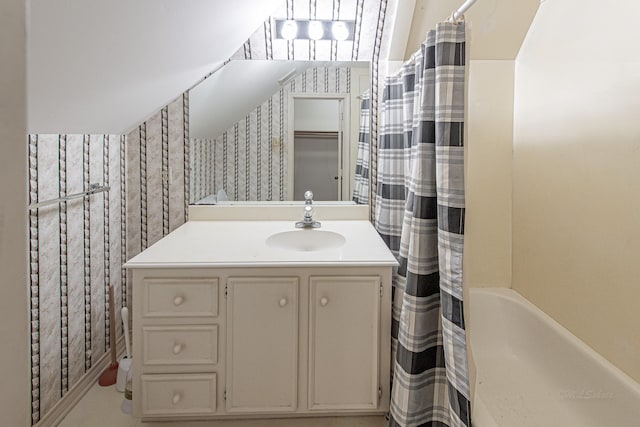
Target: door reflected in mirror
<point>269,130</point>
<point>316,155</point>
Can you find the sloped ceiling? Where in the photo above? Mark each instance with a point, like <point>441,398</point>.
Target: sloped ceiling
<point>98,66</point>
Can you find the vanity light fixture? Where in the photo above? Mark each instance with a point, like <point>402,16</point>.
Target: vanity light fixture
<point>289,29</point>
<point>315,30</point>
<point>339,30</point>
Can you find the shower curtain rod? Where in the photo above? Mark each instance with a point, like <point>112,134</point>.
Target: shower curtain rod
<point>461,10</point>
<point>454,17</point>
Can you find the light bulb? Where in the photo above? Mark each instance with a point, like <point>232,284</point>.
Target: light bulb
<point>316,30</point>
<point>339,30</point>
<point>289,30</point>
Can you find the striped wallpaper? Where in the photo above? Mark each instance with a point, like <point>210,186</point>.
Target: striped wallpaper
<point>77,247</point>
<point>76,251</point>
<point>157,176</point>
<point>244,160</point>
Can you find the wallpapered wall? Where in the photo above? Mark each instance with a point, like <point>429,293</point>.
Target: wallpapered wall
<point>157,176</point>
<point>77,247</point>
<point>244,160</point>
<point>76,251</point>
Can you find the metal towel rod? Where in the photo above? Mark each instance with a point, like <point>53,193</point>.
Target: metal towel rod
<point>93,189</point>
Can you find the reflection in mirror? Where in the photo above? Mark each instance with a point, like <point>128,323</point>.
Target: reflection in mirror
<point>257,127</point>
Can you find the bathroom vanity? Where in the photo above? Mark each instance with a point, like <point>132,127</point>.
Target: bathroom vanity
<point>256,319</point>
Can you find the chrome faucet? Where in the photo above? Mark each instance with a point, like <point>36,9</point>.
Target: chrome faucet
<point>307,221</point>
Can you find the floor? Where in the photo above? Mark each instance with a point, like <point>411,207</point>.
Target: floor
<point>100,407</point>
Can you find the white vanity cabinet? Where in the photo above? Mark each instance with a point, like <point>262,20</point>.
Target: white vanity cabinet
<point>227,324</point>
<point>262,344</point>
<point>176,327</point>
<point>344,341</point>
<point>274,342</point>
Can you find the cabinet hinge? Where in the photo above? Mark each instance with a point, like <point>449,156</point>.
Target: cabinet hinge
<point>224,395</point>
<point>379,394</point>
<point>225,291</point>
<point>381,290</point>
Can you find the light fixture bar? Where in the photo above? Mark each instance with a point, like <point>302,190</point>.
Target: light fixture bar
<point>300,29</point>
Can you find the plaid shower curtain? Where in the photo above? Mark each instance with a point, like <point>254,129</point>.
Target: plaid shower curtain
<point>361,177</point>
<point>420,215</point>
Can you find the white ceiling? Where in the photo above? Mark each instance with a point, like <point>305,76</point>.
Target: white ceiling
<point>98,66</point>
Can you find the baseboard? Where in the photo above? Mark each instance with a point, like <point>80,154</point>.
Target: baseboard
<point>55,415</point>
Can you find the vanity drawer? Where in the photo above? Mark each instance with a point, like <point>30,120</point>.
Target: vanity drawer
<point>178,297</point>
<point>184,394</point>
<point>179,345</point>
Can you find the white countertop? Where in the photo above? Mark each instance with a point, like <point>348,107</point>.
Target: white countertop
<point>242,244</point>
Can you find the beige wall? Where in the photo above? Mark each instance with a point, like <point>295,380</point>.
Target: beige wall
<point>487,256</point>
<point>14,353</point>
<point>576,207</point>
<point>497,26</point>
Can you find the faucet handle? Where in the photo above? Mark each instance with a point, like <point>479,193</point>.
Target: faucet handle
<point>308,195</point>
<point>308,211</point>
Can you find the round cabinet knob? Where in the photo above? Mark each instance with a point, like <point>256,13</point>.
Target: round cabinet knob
<point>177,348</point>
<point>283,302</point>
<point>324,301</point>
<point>178,300</point>
<point>177,397</point>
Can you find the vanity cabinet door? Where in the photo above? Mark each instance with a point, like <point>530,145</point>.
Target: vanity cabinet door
<point>344,315</point>
<point>262,344</point>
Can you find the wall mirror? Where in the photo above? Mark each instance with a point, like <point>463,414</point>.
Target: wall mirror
<point>265,131</point>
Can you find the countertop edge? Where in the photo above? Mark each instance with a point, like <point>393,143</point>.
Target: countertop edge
<point>162,266</point>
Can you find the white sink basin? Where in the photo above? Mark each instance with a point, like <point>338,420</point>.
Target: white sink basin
<point>306,240</point>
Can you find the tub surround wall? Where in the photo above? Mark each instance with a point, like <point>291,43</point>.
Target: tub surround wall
<point>249,160</point>
<point>576,223</point>
<point>487,252</point>
<point>76,251</point>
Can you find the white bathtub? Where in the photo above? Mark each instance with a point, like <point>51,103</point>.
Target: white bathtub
<point>533,372</point>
